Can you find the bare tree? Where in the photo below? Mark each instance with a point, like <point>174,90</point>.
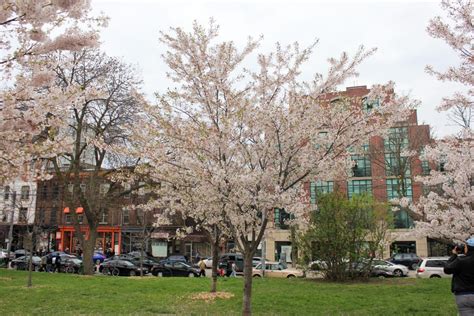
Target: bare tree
<point>99,119</point>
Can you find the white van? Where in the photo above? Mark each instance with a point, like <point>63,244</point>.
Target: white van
<point>432,268</point>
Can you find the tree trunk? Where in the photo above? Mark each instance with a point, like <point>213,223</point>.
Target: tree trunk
<point>215,262</point>
<point>29,283</point>
<point>247,300</point>
<point>88,253</point>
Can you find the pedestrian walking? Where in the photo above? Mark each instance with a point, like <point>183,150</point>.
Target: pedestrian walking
<point>57,263</point>
<point>43,263</point>
<point>49,263</point>
<point>461,266</point>
<point>234,270</point>
<point>202,268</point>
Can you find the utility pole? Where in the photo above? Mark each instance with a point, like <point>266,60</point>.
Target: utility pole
<point>10,232</point>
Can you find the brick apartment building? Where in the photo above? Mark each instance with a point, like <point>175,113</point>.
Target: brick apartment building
<point>382,171</point>
<point>120,230</point>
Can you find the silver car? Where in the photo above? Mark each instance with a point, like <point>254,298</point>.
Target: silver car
<point>432,267</point>
<point>386,268</point>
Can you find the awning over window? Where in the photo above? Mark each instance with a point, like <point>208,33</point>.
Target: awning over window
<point>79,210</point>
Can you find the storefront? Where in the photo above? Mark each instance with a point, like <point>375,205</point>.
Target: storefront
<point>108,237</point>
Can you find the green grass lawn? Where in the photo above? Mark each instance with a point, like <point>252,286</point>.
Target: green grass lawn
<point>57,294</point>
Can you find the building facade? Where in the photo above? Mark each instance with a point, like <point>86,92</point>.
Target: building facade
<point>383,170</point>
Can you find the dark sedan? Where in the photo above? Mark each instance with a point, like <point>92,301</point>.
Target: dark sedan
<point>175,269</point>
<point>119,267</point>
<point>148,263</point>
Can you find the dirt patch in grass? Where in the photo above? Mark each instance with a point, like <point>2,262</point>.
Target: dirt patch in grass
<point>211,297</point>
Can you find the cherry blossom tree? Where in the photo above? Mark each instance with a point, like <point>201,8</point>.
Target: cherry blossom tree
<point>248,138</point>
<point>447,210</point>
<point>28,31</point>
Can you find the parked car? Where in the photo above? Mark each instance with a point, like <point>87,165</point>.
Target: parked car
<point>175,269</point>
<point>410,260</point>
<point>174,258</point>
<point>432,267</point>
<point>119,267</point>
<point>227,259</point>
<point>257,260</point>
<point>21,252</point>
<point>387,268</point>
<point>148,262</point>
<point>276,270</point>
<point>21,263</point>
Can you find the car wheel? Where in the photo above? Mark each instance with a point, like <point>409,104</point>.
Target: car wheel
<point>257,276</point>
<point>435,276</point>
<point>69,270</point>
<point>115,272</point>
<point>191,275</point>
<point>132,273</point>
<point>414,266</point>
<point>398,273</point>
<point>291,276</point>
<point>105,271</point>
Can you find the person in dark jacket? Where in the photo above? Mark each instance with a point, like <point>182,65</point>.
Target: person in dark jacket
<point>461,266</point>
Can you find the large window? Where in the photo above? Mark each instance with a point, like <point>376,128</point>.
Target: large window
<point>401,219</point>
<point>25,192</point>
<point>125,217</point>
<point>397,188</point>
<point>396,165</point>
<point>103,216</point>
<point>280,218</point>
<point>355,187</point>
<point>361,166</point>
<point>369,104</point>
<point>319,187</point>
<point>6,192</point>
<point>397,139</point>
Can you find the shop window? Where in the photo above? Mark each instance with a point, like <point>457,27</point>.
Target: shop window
<point>403,247</point>
<point>355,187</point>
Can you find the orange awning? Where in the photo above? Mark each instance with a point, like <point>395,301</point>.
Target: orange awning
<point>66,210</point>
<point>79,210</point>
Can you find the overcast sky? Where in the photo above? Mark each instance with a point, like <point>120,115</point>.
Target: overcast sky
<point>396,28</point>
